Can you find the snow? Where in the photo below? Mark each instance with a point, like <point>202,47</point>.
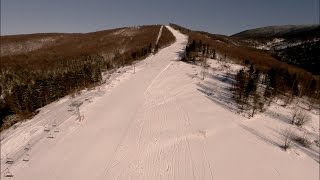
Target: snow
<point>270,44</point>
<point>27,46</point>
<point>129,32</point>
<point>280,43</point>
<point>161,122</point>
<point>159,35</point>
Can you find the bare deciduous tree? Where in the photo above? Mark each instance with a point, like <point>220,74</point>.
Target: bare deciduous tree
<point>294,114</point>
<point>204,65</point>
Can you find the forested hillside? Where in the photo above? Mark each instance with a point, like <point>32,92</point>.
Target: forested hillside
<point>264,78</point>
<point>38,69</point>
<point>305,55</point>
<point>294,44</point>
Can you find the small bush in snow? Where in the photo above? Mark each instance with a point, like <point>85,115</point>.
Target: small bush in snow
<point>294,114</point>
<point>287,135</point>
<point>300,117</point>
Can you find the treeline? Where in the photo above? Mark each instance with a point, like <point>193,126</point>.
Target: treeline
<point>166,38</point>
<point>253,89</point>
<point>246,91</point>
<point>142,53</point>
<point>197,49</point>
<point>24,91</point>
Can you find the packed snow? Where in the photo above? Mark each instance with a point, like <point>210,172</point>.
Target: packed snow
<point>158,120</point>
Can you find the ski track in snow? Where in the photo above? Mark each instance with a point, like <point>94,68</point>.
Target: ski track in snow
<point>151,124</point>
<point>151,147</point>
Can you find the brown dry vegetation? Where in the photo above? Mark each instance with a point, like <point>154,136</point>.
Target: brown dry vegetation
<point>107,43</point>
<point>166,38</point>
<point>237,51</point>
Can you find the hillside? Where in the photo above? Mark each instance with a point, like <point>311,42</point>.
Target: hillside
<point>293,44</point>
<point>305,55</point>
<point>37,69</point>
<point>265,76</point>
<point>108,43</point>
<point>284,31</point>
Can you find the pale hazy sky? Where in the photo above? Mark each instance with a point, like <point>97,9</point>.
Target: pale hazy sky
<point>215,16</point>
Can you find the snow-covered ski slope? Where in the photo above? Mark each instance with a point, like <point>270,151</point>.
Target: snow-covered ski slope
<point>156,123</point>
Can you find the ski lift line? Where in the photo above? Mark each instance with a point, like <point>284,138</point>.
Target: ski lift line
<point>50,135</point>
<point>56,130</point>
<point>46,128</point>
<point>27,147</point>
<point>21,152</point>
<point>42,119</point>
<point>9,160</point>
<point>7,173</point>
<point>26,157</point>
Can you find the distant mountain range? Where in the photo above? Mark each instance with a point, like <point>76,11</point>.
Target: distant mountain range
<point>294,44</point>
<point>284,31</point>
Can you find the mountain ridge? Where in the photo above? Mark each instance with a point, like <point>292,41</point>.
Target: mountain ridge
<point>276,31</point>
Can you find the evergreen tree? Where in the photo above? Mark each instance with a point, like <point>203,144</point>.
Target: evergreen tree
<point>239,86</point>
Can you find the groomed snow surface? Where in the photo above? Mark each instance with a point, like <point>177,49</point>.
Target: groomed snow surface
<point>161,122</point>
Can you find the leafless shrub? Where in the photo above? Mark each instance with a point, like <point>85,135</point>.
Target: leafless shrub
<point>300,117</point>
<point>294,114</point>
<point>204,66</point>
<point>287,135</point>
